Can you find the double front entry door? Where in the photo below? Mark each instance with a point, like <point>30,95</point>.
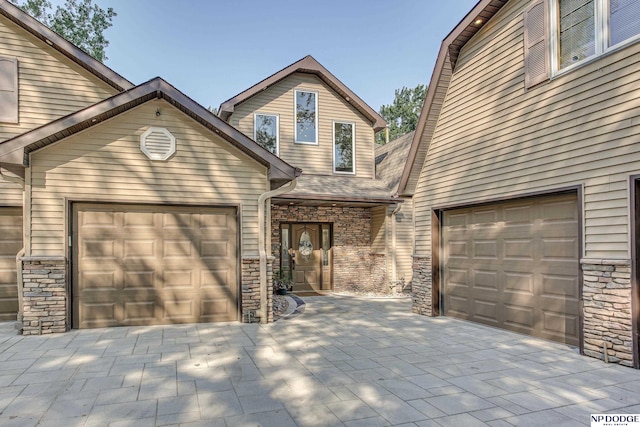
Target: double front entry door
<point>310,253</point>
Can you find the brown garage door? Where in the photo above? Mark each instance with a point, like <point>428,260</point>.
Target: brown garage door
<point>149,265</point>
<point>10,245</point>
<point>515,266</point>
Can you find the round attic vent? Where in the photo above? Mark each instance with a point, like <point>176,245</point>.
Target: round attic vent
<point>157,143</point>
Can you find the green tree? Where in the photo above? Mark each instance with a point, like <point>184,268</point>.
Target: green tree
<point>402,115</point>
<point>79,21</point>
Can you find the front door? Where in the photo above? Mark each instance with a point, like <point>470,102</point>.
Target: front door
<point>307,257</point>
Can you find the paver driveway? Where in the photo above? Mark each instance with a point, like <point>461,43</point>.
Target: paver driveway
<point>344,361</point>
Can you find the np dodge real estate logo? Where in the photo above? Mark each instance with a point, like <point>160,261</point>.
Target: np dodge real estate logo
<point>615,420</point>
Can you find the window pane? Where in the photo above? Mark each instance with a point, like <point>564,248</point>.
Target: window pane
<point>267,132</point>
<point>624,20</point>
<point>305,117</point>
<point>343,146</point>
<point>577,31</point>
<point>284,247</point>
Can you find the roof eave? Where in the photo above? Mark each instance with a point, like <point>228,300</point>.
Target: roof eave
<point>77,55</point>
<point>308,65</point>
<point>15,151</point>
<point>485,9</point>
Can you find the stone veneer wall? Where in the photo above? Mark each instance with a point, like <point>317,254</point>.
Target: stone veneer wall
<point>250,289</point>
<point>44,295</point>
<point>606,295</point>
<point>421,286</point>
<point>355,267</point>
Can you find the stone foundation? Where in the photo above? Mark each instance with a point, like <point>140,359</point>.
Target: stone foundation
<point>250,290</point>
<point>421,286</point>
<point>355,267</point>
<point>606,298</point>
<point>44,295</point>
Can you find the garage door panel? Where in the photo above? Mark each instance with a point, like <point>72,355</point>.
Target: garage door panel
<point>517,216</point>
<point>487,248</point>
<point>10,245</point>
<point>564,286</point>
<point>175,248</point>
<point>139,279</point>
<point>521,282</point>
<point>518,249</point>
<point>149,268</point>
<point>519,317</point>
<point>486,280</point>
<point>176,279</point>
<point>557,324</point>
<point>484,218</point>
<point>138,313</point>
<point>526,260</point>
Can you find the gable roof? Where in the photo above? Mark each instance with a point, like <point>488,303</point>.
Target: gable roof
<point>42,32</point>
<point>307,65</point>
<point>450,49</point>
<point>390,159</point>
<point>14,153</point>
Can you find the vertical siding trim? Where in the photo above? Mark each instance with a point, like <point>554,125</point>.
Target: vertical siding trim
<point>26,211</point>
<point>634,204</point>
<point>536,51</point>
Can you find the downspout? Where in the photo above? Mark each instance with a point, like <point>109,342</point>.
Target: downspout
<point>394,258</point>
<point>262,243</point>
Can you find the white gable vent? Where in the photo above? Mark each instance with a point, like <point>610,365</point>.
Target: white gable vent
<point>157,143</point>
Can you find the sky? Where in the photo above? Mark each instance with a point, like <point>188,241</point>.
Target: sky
<point>214,49</point>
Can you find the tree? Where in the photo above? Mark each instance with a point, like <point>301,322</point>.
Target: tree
<point>402,115</point>
<point>79,21</point>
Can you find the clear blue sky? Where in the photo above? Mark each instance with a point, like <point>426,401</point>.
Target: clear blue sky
<point>214,49</point>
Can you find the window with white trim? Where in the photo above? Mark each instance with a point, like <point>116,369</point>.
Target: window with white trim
<point>266,129</point>
<point>306,117</point>
<point>8,90</point>
<point>588,28</point>
<point>344,149</point>
<point>572,32</point>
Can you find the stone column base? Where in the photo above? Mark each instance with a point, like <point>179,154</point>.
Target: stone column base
<point>421,286</point>
<point>44,309</point>
<point>606,298</point>
<point>250,289</point>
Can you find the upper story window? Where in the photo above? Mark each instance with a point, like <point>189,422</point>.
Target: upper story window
<point>8,90</point>
<point>587,28</point>
<point>266,130</point>
<point>574,31</point>
<point>343,147</point>
<point>306,117</point>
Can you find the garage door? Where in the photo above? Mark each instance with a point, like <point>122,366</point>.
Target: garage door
<point>515,266</point>
<point>149,265</point>
<point>10,245</point>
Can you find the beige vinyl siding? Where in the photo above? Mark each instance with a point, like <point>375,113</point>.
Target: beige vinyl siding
<point>312,159</point>
<point>378,229</point>
<point>404,241</point>
<point>10,192</point>
<point>496,140</point>
<point>105,163</point>
<point>50,85</point>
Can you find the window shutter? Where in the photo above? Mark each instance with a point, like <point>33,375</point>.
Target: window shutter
<point>8,90</point>
<point>536,51</point>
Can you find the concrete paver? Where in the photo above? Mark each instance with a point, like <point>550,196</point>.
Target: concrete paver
<point>345,361</point>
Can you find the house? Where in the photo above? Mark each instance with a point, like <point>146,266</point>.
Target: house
<point>524,171</point>
<point>328,230</point>
<point>126,205</point>
<point>129,204</point>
